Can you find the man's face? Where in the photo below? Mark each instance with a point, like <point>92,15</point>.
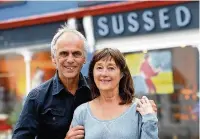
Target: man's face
<point>69,55</point>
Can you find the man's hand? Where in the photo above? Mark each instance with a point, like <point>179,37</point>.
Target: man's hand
<point>151,102</point>
<point>75,133</point>
<point>153,105</point>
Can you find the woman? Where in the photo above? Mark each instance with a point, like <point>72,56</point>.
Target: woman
<point>112,114</point>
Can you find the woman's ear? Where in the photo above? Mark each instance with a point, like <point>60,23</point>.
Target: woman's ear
<point>85,59</point>
<point>122,75</point>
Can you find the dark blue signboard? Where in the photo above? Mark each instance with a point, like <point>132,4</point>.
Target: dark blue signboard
<point>152,20</point>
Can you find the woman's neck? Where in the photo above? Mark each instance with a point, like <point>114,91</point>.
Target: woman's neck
<point>109,97</point>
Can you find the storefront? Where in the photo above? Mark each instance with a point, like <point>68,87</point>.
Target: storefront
<point>165,31</point>
<point>161,46</point>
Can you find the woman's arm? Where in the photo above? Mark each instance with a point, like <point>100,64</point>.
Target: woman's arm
<point>77,125</point>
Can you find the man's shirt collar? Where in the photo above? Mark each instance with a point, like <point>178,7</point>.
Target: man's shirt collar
<point>58,85</point>
<point>83,81</point>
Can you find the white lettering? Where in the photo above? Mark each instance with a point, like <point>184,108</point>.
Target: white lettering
<point>180,11</point>
<point>163,18</point>
<point>150,24</point>
<point>103,27</point>
<point>118,24</point>
<point>134,25</point>
<point>141,22</point>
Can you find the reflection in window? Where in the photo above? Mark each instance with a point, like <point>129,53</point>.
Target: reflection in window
<point>42,68</point>
<point>170,78</point>
<point>12,79</point>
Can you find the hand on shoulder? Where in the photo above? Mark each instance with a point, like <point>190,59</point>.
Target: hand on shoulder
<point>145,106</point>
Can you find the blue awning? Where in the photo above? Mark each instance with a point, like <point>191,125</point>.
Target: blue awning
<point>25,9</point>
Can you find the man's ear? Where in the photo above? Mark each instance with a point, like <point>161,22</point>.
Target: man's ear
<point>53,60</point>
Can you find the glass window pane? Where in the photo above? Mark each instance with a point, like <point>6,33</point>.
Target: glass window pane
<point>170,78</point>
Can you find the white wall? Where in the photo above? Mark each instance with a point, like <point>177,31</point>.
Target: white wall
<point>152,41</point>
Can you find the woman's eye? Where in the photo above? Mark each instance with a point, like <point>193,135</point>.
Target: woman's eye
<point>99,67</point>
<point>111,68</point>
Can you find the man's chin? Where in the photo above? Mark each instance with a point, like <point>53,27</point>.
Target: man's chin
<point>70,75</point>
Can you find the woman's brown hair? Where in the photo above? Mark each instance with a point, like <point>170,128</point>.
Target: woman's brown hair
<point>126,90</point>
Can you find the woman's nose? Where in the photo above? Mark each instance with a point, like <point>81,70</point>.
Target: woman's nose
<point>104,72</point>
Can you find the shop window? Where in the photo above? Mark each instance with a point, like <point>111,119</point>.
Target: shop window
<point>12,81</point>
<point>170,78</point>
<point>42,68</point>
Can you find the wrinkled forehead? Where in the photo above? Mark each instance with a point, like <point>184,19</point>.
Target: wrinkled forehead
<point>69,36</point>
<point>70,39</point>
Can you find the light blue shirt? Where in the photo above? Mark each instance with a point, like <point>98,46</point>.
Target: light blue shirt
<point>129,125</point>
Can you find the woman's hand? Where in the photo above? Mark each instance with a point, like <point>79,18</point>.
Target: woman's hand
<point>144,106</point>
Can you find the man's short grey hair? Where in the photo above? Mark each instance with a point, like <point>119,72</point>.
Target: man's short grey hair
<point>64,28</point>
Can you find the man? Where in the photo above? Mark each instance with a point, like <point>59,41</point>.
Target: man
<point>49,108</point>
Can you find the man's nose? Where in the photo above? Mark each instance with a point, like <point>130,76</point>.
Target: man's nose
<point>70,58</point>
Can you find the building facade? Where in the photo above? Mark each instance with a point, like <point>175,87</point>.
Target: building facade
<point>159,39</point>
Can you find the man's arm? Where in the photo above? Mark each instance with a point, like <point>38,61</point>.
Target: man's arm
<point>75,132</point>
<point>148,124</point>
<point>153,105</point>
<point>28,122</point>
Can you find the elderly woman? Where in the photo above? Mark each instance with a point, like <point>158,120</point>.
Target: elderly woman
<point>114,112</point>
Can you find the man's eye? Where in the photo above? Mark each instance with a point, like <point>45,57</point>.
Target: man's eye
<point>77,54</point>
<point>63,54</point>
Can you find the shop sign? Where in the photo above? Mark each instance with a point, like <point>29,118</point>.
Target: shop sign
<point>170,18</point>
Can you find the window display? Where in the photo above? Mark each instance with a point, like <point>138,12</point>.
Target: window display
<point>151,72</point>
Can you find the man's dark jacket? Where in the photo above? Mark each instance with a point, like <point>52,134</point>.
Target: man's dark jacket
<point>48,110</point>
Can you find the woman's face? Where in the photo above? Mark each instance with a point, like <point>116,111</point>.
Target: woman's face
<point>106,75</point>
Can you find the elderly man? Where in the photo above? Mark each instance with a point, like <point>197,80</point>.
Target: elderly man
<point>49,108</point>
